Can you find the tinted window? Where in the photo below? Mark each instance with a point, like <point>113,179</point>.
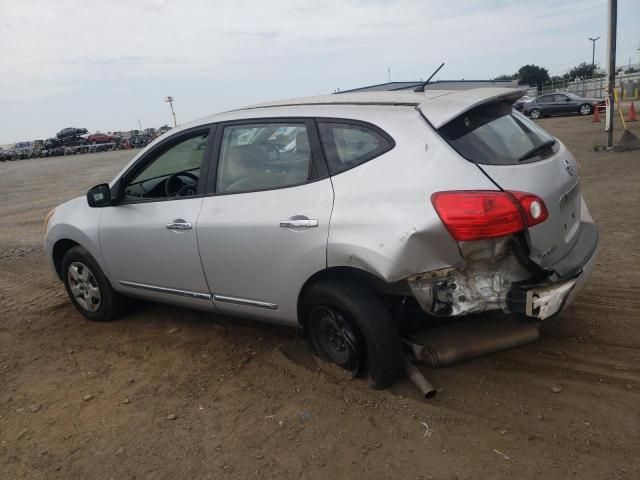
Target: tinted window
<point>545,99</point>
<point>262,156</point>
<point>561,98</point>
<point>348,145</point>
<point>495,134</point>
<point>173,173</point>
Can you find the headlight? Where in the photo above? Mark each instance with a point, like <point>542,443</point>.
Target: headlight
<point>48,217</point>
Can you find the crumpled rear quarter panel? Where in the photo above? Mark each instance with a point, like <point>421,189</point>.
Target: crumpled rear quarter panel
<point>383,220</point>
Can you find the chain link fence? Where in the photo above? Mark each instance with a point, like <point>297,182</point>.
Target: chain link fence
<point>628,85</point>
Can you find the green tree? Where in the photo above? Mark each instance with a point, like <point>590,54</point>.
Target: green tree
<point>582,70</point>
<point>532,75</point>
<point>506,77</point>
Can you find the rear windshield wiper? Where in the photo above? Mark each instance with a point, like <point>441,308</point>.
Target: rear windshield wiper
<point>535,150</point>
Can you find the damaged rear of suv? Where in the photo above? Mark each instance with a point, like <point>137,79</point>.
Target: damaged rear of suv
<point>478,210</point>
<point>526,246</point>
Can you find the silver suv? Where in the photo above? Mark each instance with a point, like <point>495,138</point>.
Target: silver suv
<point>338,214</point>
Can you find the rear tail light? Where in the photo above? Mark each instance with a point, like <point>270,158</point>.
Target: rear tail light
<point>533,208</point>
<point>481,214</point>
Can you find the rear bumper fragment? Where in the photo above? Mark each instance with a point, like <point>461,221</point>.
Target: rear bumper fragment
<point>544,300</point>
<point>584,248</point>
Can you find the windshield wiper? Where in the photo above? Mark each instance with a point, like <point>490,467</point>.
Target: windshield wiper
<point>535,150</point>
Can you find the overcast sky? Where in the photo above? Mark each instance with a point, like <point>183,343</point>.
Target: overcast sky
<point>104,64</point>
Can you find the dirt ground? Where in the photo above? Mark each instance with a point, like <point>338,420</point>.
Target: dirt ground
<point>87,400</point>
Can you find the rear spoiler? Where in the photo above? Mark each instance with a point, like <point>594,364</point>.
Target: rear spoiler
<point>444,108</point>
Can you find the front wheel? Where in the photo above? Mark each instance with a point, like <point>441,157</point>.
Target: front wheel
<point>347,325</point>
<point>585,109</point>
<point>88,287</point>
<point>535,113</point>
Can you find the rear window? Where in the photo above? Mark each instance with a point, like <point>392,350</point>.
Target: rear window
<point>495,134</point>
<point>347,145</point>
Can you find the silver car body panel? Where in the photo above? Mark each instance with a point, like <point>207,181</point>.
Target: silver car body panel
<point>389,228</point>
<point>556,180</point>
<point>146,259</point>
<point>75,220</point>
<point>255,267</point>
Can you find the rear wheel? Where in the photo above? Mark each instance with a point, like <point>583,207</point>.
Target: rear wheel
<point>535,113</point>
<point>347,325</point>
<point>88,287</point>
<point>585,109</point>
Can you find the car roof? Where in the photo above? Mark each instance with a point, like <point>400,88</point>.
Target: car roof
<point>438,106</point>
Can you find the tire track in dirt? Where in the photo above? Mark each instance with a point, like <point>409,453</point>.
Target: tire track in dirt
<point>29,290</point>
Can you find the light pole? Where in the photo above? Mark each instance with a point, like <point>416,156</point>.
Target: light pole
<point>611,68</point>
<point>593,55</point>
<point>169,100</point>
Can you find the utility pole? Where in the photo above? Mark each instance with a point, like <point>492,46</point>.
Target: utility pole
<point>140,125</point>
<point>389,73</point>
<point>611,71</point>
<point>169,100</point>
<point>593,55</point>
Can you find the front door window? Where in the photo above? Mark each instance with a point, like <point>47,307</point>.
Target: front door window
<point>174,172</point>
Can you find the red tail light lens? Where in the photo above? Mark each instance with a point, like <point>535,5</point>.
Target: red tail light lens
<point>477,215</point>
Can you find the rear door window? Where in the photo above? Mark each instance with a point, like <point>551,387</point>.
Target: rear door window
<point>495,134</point>
<point>347,145</point>
<point>263,156</point>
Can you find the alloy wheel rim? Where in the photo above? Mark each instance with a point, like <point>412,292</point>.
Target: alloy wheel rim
<point>535,114</point>
<point>84,286</point>
<point>585,109</point>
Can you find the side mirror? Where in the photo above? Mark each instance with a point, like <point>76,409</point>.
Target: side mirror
<point>99,196</point>
<point>567,99</point>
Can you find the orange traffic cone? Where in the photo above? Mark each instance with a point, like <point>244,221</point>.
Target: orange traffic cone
<point>632,113</point>
<point>596,115</point>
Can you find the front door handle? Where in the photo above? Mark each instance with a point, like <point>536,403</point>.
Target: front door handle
<point>179,225</point>
<point>299,223</point>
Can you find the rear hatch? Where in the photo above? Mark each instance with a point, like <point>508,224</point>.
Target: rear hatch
<point>518,155</point>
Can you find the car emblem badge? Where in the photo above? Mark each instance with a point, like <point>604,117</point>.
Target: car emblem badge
<point>569,167</point>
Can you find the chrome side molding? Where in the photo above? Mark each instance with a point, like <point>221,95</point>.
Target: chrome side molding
<point>245,302</point>
<point>171,291</point>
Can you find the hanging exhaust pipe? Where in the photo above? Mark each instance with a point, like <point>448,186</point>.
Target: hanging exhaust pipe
<point>437,347</point>
<point>416,377</point>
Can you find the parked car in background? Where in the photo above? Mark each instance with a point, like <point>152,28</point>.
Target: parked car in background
<point>329,214</point>
<point>71,132</point>
<point>96,138</point>
<point>560,104</point>
<point>521,101</point>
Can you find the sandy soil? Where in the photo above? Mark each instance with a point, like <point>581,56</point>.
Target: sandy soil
<point>86,400</point>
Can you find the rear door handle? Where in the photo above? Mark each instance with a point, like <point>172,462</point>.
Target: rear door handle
<point>306,223</point>
<point>179,225</point>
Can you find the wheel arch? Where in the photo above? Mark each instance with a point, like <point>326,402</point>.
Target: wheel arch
<point>60,248</point>
<point>351,274</point>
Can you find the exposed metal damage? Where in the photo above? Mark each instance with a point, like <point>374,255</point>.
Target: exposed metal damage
<point>479,284</point>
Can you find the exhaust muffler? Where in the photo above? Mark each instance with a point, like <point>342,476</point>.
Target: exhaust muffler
<point>453,343</point>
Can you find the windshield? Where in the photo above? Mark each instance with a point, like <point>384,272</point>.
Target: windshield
<point>495,134</point>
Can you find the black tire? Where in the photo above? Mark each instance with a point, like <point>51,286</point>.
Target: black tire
<point>368,321</point>
<point>110,304</point>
